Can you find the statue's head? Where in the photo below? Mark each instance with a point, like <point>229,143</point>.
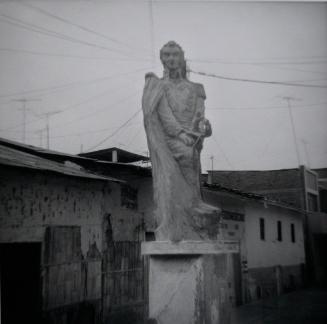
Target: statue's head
<point>172,58</point>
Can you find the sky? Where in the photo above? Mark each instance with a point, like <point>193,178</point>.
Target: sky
<point>82,63</point>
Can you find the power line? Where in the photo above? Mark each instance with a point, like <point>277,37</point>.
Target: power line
<point>93,113</point>
<point>24,109</point>
<point>116,131</point>
<point>261,65</point>
<point>81,27</point>
<point>270,107</point>
<point>19,50</point>
<point>223,153</point>
<point>70,84</point>
<point>259,62</point>
<point>134,136</point>
<point>258,81</point>
<point>42,30</point>
<point>77,105</point>
<point>76,134</point>
<point>288,99</point>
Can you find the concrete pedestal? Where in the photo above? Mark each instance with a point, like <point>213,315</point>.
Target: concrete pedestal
<point>190,282</point>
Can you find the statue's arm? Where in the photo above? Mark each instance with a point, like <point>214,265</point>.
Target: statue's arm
<point>199,116</point>
<point>169,123</point>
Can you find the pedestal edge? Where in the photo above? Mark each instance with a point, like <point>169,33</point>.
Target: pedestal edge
<point>189,247</point>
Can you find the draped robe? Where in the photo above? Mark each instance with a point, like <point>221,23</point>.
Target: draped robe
<point>170,108</point>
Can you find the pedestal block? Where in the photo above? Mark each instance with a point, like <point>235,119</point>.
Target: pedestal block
<point>190,282</point>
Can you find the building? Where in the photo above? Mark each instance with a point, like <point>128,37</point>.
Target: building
<point>72,227</point>
<point>265,266</point>
<point>302,188</point>
<point>69,239</point>
<point>271,259</point>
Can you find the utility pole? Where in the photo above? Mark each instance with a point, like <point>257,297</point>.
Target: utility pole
<point>210,175</point>
<point>150,2</point>
<point>305,143</point>
<point>47,118</point>
<point>40,132</point>
<point>289,99</point>
<point>212,158</point>
<point>24,109</point>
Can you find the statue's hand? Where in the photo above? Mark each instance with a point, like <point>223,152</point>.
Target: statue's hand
<point>186,139</point>
<point>150,75</point>
<point>205,127</point>
<point>208,128</point>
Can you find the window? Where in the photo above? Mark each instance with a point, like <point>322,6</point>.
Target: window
<point>311,180</point>
<point>312,202</point>
<point>262,229</point>
<point>292,233</point>
<point>150,236</point>
<point>279,231</point>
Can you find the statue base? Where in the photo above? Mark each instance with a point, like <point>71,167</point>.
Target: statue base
<point>190,281</point>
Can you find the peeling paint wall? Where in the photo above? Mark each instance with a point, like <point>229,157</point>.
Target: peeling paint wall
<point>35,200</point>
<point>81,217</point>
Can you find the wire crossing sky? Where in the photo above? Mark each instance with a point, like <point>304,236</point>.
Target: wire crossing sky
<point>87,59</point>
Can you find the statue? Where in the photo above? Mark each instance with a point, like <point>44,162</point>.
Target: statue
<point>175,126</point>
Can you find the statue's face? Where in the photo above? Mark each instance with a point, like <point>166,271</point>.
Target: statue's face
<point>171,57</point>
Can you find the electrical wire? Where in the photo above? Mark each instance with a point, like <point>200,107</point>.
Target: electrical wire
<point>81,27</point>
<point>116,131</point>
<point>42,30</point>
<point>259,62</point>
<point>19,50</point>
<point>258,81</point>
<point>70,84</point>
<point>270,107</point>
<point>223,153</point>
<point>93,113</point>
<point>261,65</point>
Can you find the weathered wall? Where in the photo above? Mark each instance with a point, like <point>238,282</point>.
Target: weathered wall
<point>32,200</point>
<point>35,200</point>
<point>190,289</point>
<point>269,281</point>
<point>75,219</point>
<point>259,259</point>
<point>233,211</point>
<point>273,266</point>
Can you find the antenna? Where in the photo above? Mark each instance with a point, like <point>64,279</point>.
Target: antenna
<point>153,56</point>
<point>289,99</point>
<point>212,158</point>
<point>305,143</point>
<point>24,109</point>
<point>47,116</point>
<point>40,132</point>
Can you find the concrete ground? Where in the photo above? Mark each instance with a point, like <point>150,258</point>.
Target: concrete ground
<point>299,307</point>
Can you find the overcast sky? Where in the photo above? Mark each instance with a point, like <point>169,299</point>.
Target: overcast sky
<point>87,59</point>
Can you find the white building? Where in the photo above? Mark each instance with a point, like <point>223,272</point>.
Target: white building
<point>272,257</point>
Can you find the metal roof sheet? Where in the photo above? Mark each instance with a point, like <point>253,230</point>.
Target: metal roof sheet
<point>123,155</point>
<point>16,158</point>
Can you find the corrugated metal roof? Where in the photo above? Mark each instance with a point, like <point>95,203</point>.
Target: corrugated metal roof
<point>17,158</point>
<point>250,195</point>
<point>122,155</point>
<point>86,162</point>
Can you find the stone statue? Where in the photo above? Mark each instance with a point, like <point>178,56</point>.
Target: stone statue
<point>175,126</point>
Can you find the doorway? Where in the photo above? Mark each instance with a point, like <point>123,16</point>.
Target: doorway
<point>20,271</point>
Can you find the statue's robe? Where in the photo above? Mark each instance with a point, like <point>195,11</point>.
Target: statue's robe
<point>170,108</point>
